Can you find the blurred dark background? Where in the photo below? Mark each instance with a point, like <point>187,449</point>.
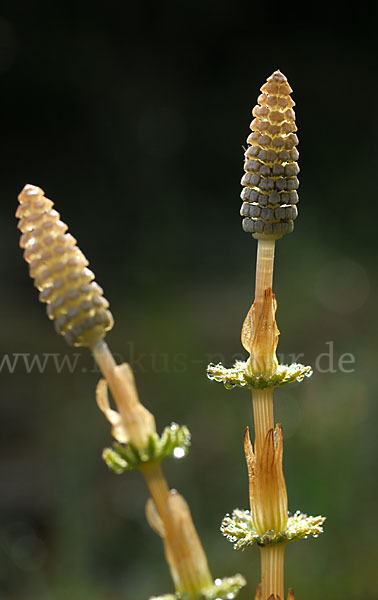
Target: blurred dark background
<point>132,118</point>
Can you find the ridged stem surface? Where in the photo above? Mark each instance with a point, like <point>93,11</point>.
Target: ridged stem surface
<point>262,415</point>
<point>264,267</point>
<point>263,399</point>
<point>272,557</point>
<point>272,571</point>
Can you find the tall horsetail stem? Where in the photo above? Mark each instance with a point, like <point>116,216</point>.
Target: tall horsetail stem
<point>269,208</point>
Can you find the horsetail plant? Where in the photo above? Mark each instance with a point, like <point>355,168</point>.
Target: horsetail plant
<point>76,304</point>
<point>80,313</point>
<point>269,208</point>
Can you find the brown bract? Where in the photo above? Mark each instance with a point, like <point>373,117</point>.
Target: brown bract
<point>267,488</point>
<point>133,422</point>
<point>183,550</point>
<point>258,595</point>
<point>260,336</point>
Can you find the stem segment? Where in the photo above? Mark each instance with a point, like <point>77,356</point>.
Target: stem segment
<point>263,399</point>
<point>264,267</point>
<point>272,571</point>
<point>262,415</point>
<point>104,358</point>
<point>158,488</point>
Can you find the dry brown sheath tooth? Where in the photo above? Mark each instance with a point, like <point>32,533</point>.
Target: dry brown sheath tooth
<point>267,488</point>
<point>270,181</point>
<point>60,271</point>
<point>258,595</point>
<point>260,335</point>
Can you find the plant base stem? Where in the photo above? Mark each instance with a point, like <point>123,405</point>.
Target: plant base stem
<point>272,571</point>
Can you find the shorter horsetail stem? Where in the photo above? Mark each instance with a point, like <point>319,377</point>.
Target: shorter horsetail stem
<point>269,209</point>
<point>270,181</point>
<point>80,312</point>
<point>74,301</point>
